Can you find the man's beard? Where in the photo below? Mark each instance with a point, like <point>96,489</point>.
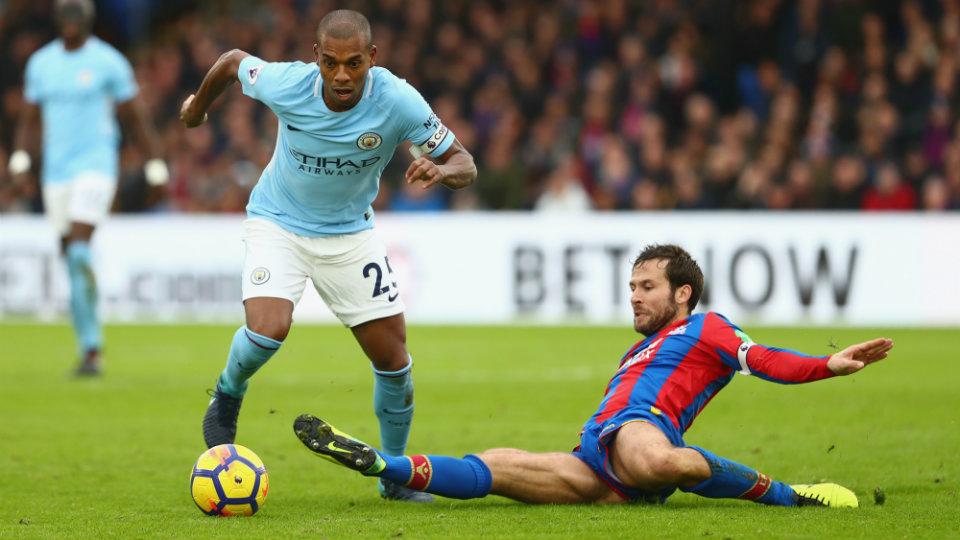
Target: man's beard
<point>658,321</point>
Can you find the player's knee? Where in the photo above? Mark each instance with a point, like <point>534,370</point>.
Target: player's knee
<point>660,468</point>
<point>272,327</point>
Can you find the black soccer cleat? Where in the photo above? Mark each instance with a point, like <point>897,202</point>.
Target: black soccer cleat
<point>90,365</point>
<point>220,420</point>
<point>334,445</point>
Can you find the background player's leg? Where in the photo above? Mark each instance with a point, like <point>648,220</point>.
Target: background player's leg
<point>83,296</point>
<point>643,457</point>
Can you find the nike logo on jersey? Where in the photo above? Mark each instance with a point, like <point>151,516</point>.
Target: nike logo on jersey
<point>293,128</point>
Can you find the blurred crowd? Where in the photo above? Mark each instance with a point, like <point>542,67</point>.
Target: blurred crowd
<point>571,105</point>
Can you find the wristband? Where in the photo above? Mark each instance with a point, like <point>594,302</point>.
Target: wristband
<point>156,172</point>
<point>19,162</point>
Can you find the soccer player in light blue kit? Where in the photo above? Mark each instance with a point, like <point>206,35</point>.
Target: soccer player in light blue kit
<point>75,83</point>
<point>340,121</point>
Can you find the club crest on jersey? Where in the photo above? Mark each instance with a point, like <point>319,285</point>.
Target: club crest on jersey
<point>259,276</point>
<point>369,141</point>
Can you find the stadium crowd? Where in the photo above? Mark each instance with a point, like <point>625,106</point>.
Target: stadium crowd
<point>570,105</point>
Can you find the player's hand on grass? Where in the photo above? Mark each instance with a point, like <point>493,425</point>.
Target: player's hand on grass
<point>856,357</point>
<point>424,170</point>
<point>189,115</point>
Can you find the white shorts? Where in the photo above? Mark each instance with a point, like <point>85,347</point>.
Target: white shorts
<point>351,272</point>
<point>86,198</point>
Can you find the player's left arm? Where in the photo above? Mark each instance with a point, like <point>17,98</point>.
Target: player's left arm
<point>134,114</point>
<point>454,168</point>
<point>786,366</point>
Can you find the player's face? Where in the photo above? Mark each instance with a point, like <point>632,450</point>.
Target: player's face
<point>343,65</point>
<point>654,303</point>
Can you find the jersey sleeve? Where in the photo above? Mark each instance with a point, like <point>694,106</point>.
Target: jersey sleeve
<point>269,82</point>
<point>419,124</point>
<point>32,87</point>
<point>738,351</point>
<point>122,84</point>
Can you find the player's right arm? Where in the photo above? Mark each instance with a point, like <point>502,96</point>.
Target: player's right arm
<point>27,128</point>
<point>28,125</point>
<point>193,112</point>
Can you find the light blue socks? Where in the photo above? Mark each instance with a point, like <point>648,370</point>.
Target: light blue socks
<point>393,405</point>
<point>248,352</point>
<point>83,296</point>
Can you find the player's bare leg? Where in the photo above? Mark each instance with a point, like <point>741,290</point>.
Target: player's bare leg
<point>384,341</point>
<point>554,478</point>
<point>268,321</point>
<point>83,296</point>
<point>551,478</point>
<point>643,457</point>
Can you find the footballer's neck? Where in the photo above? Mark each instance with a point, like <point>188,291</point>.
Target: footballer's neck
<point>75,42</point>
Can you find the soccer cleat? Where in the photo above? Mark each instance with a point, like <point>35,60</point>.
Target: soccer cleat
<point>395,492</point>
<point>832,495</point>
<point>220,420</point>
<point>89,364</point>
<point>334,445</point>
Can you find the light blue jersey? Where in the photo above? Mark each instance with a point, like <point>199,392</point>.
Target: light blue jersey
<point>76,91</point>
<point>325,170</point>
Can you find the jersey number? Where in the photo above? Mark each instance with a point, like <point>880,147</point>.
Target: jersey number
<point>378,289</point>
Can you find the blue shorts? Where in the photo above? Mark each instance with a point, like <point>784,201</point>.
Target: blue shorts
<point>594,450</point>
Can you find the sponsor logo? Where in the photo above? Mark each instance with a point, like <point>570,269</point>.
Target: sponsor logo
<point>331,166</point>
<point>682,329</point>
<point>259,276</point>
<point>253,74</point>
<point>369,141</point>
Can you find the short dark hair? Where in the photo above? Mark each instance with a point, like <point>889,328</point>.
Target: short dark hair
<point>344,24</point>
<point>681,268</point>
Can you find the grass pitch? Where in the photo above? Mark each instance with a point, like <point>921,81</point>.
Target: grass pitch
<point>111,457</point>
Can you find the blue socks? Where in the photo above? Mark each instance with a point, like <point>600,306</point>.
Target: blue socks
<point>730,480</point>
<point>393,405</point>
<point>83,296</point>
<point>248,352</point>
<point>467,478</point>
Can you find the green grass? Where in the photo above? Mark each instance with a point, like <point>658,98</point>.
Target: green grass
<point>111,457</point>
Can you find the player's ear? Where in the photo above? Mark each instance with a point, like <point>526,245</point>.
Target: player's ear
<point>316,51</point>
<point>682,294</point>
<point>373,55</point>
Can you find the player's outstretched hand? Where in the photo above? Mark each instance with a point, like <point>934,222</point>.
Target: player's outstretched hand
<point>856,357</point>
<point>188,115</point>
<point>424,170</point>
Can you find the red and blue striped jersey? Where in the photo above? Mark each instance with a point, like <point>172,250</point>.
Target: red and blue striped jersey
<point>678,370</point>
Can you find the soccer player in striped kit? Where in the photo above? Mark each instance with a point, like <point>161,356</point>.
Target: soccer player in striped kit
<point>632,448</point>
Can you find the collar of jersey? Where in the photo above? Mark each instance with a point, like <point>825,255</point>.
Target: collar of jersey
<point>367,90</point>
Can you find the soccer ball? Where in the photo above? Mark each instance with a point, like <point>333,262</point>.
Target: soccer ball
<point>229,480</point>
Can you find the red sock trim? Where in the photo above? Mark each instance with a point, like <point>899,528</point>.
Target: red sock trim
<point>759,489</point>
<point>421,472</point>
